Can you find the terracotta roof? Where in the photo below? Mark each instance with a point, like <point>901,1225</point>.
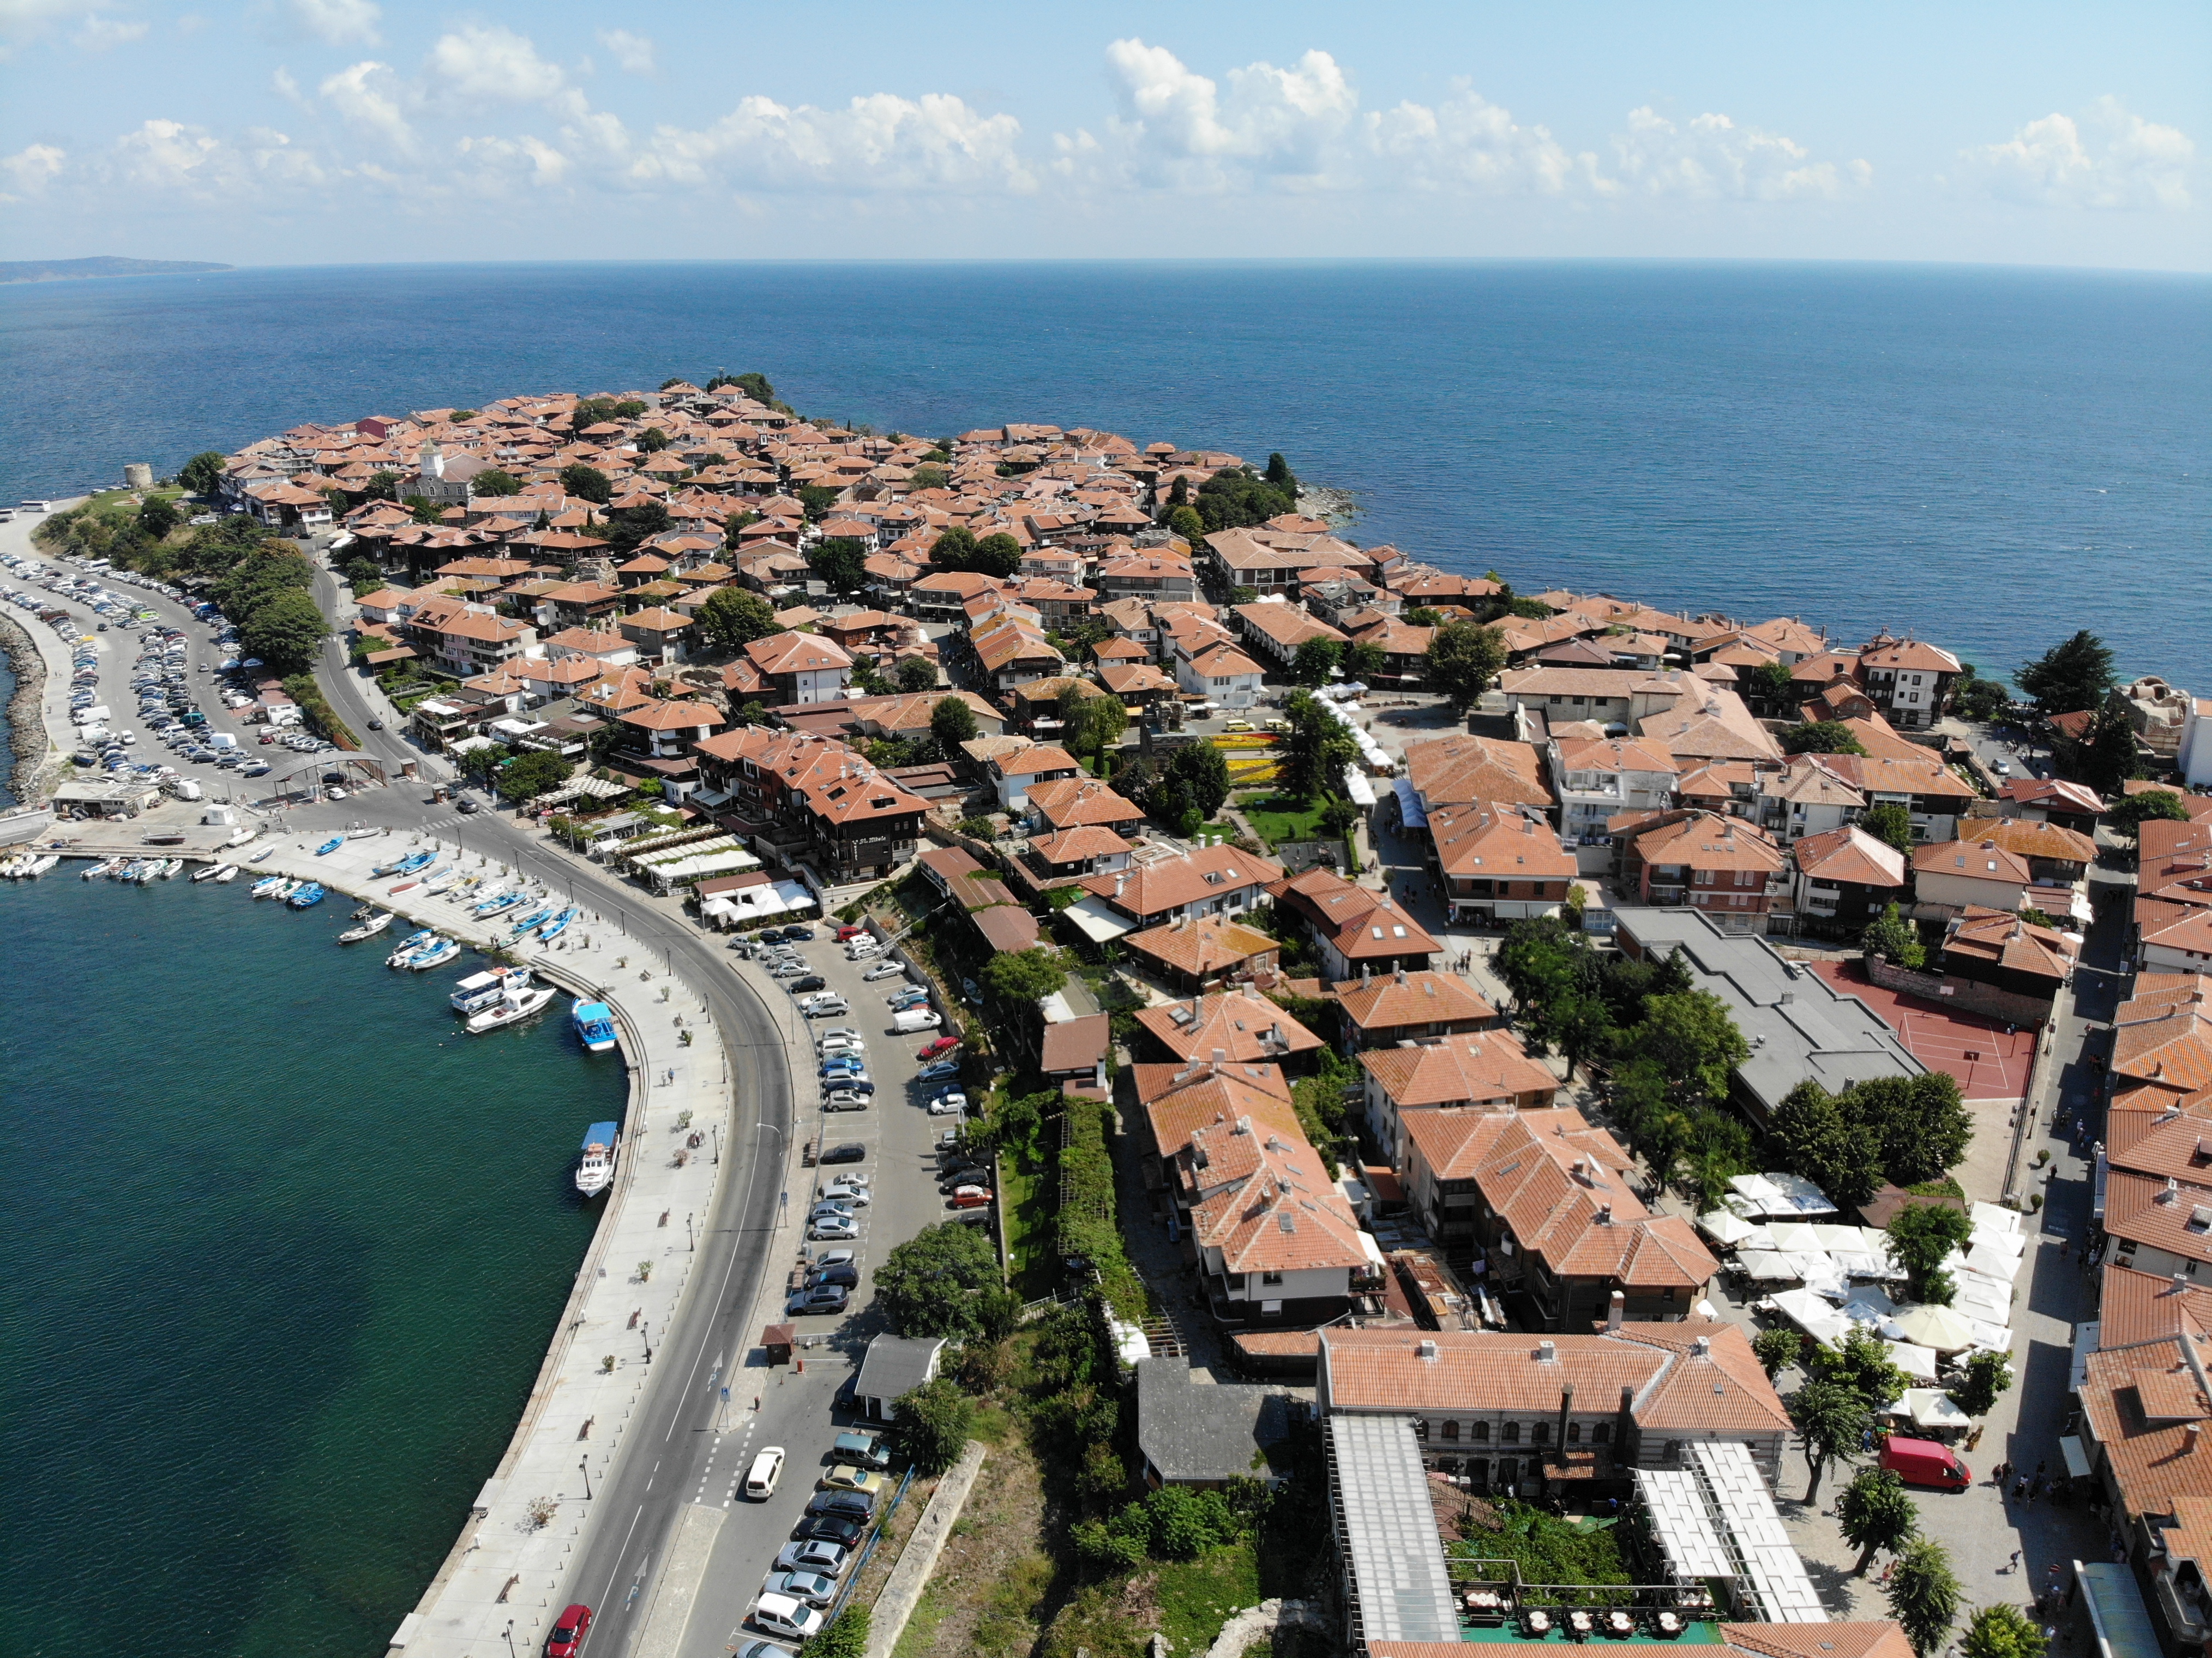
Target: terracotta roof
<point>2138,1306</point>
<point>1472,841</point>
<point>1470,1068</point>
<point>1881,1640</point>
<point>2166,1213</point>
<point>2053,792</point>
<point>1980,859</point>
<point>1170,884</point>
<point>2032,837</point>
<point>1087,842</point>
<point>1286,1215</point>
<point>1362,925</point>
<point>684,713</point>
<point>1071,802</point>
<point>1850,855</point>
<point>1201,948</point>
<point>1612,755</point>
<point>1705,841</point>
<point>1236,1024</point>
<point>1288,625</point>
<point>1873,773</point>
<point>2150,1455</point>
<point>1457,770</point>
<point>1075,1044</point>
<point>795,652</point>
<point>1390,1001</point>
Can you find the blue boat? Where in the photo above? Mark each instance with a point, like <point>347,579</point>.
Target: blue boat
<point>505,901</point>
<point>554,928</point>
<point>595,1025</point>
<point>409,865</point>
<point>529,923</point>
<point>408,946</point>
<point>329,846</point>
<point>436,953</point>
<point>307,896</point>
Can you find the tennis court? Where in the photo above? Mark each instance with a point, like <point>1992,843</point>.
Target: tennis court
<point>1989,1064</point>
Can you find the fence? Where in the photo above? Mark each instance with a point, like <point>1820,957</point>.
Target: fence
<point>1956,994</point>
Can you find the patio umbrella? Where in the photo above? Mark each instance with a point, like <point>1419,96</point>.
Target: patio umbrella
<point>1768,1266</point>
<point>1795,1238</point>
<point>1725,1227</point>
<point>1844,1240</point>
<point>1993,1263</point>
<point>1813,1316</point>
<point>1939,1327</point>
<point>1758,1190</point>
<point>1931,1407</point>
<point>1914,1361</point>
<point>1978,1297</point>
<point>1994,1218</point>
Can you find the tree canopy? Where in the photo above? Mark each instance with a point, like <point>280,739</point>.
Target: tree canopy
<point>1239,497</point>
<point>1091,722</point>
<point>1907,1130</point>
<point>1924,1594</point>
<point>1891,823</point>
<point>916,673</point>
<point>1987,1376</point>
<point>1920,1235</point>
<point>2002,1631</point>
<point>734,618</point>
<point>2071,676</point>
<point>1820,737</point>
<point>930,1424</point>
<point>587,483</point>
<point>1187,786</point>
<point>1315,751</point>
<point>534,772</point>
<point>2127,815</point>
<point>932,1284</point>
<point>1831,1419</point>
<point>1023,975</point>
<point>1316,659</point>
<point>952,722</point>
<point>285,631</point>
<point>203,473</point>
<point>841,561</point>
<point>1891,936</point>
<point>1462,661</point>
<point>495,483</point>
<point>1874,1512</point>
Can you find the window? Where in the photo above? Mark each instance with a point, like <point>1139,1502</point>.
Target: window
<point>1543,1434</point>
<point>1574,1433</point>
<point>1511,1433</point>
<point>1480,1433</point>
<point>1478,1470</point>
<point>1451,1431</point>
<point>1507,1470</point>
<point>1421,1427</point>
<point>1237,1280</point>
<point>1602,1434</point>
<point>1270,1277</point>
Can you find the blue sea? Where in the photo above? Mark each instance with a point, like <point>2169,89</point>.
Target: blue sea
<point>1990,457</point>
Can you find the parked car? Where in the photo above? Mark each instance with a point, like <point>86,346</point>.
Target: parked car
<point>767,1469</point>
<point>837,1529</point>
<point>849,1034</point>
<point>850,1151</point>
<point>780,1614</point>
<point>882,970</point>
<point>906,996</point>
<point>851,930</point>
<point>948,1104</point>
<point>861,950</point>
<point>845,1477</point>
<point>967,1174</point>
<point>568,1633</point>
<point>820,1299</point>
<point>1925,1462</point>
<point>860,1448</point>
<point>971,1197</point>
<point>854,1505</point>
<point>849,1188</point>
<point>938,1048</point>
<point>799,934</point>
<point>826,1558</point>
<point>845,1275</point>
<point>907,1020</point>
<point>844,1099</point>
<point>828,1007</point>
<point>825,1227</point>
<point>812,981</point>
<point>811,1586</point>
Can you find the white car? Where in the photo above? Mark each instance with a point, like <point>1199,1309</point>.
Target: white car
<point>779,1614</point>
<point>840,1227</point>
<point>845,1191</point>
<point>948,1104</point>
<point>843,1033</point>
<point>862,948</point>
<point>882,970</point>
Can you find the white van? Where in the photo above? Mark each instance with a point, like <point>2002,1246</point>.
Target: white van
<point>781,1614</point>
<point>915,1018</point>
<point>222,740</point>
<point>761,1477</point>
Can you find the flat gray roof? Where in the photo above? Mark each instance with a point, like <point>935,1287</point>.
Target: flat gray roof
<point>1387,1528</point>
<point>895,1365</point>
<point>1191,1432</point>
<point>1798,1024</point>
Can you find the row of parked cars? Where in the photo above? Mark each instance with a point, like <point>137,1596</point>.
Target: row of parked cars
<point>808,1574</point>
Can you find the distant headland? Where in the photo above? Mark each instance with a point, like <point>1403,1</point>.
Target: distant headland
<point>104,265</point>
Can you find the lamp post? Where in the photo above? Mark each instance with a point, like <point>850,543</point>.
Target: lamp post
<point>510,1638</point>
<point>690,1238</point>
<point>586,1466</point>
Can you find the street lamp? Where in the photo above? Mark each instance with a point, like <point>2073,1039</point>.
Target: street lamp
<point>585,1465</point>
<point>510,1638</point>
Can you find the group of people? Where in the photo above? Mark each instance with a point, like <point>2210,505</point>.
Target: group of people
<point>2025,1488</point>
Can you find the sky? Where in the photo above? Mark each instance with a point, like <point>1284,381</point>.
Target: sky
<point>313,131</point>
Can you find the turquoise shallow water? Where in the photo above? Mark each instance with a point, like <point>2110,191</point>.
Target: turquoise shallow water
<point>284,1251</point>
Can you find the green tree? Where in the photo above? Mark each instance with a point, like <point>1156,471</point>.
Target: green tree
<point>816,500</point>
<point>845,1636</point>
<point>916,673</point>
<point>931,1424</point>
<point>1238,496</point>
<point>1924,1594</point>
<point>1820,737</point>
<point>1891,936</point>
<point>933,1284</point>
<point>996,554</point>
<point>382,486</point>
<point>1861,1361</point>
<point>2127,815</point>
<point>2002,1631</point>
<point>1890,823</point>
<point>1920,1235</point>
<point>422,509</point>
<point>2071,676</point>
<point>1777,1348</point>
<point>495,483</point>
<point>1317,658</point>
<point>1462,661</point>
<point>1818,1140</point>
<point>2108,759</point>
<point>1026,976</point>
<point>952,722</point>
<point>587,483</point>
<point>1875,1513</point>
<point>1831,1419</point>
<point>1770,683</point>
<point>1201,771</point>
<point>483,764</point>
<point>157,517</point>
<point>1977,1389</point>
<point>753,383</point>
<point>202,474</point>
<point>1314,751</point>
<point>734,618</point>
<point>1184,521</point>
<point>285,632</point>
<point>928,477</point>
<point>1279,476</point>
<point>842,562</point>
<point>1185,1522</point>
<point>955,549</point>
<point>629,528</point>
<point>1922,1122</point>
<point>534,772</point>
<point>1977,698</point>
<point>650,441</point>
<point>1362,662</point>
<point>1091,722</point>
<point>1691,1038</point>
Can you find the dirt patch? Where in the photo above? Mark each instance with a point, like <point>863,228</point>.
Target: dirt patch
<point>991,1582</point>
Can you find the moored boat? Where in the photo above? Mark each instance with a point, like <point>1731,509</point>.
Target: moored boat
<point>408,946</point>
<point>514,1006</point>
<point>105,866</point>
<point>480,990</point>
<point>436,953</point>
<point>595,1169</point>
<point>260,855</point>
<point>170,866</point>
<point>267,886</point>
<point>367,929</point>
<point>209,873</point>
<point>595,1025</point>
<point>528,924</point>
<point>226,875</point>
<point>307,896</point>
<point>40,865</point>
<point>501,904</point>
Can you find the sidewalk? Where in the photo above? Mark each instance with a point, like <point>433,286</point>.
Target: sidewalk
<point>530,1517</point>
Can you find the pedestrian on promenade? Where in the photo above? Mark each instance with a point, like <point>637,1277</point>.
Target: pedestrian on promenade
<point>2019,1488</point>
<point>2014,1566</point>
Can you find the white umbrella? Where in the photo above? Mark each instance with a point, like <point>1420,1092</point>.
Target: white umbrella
<point>1834,1238</point>
<point>1931,1407</point>
<point>1759,1190</point>
<point>1813,1316</point>
<point>1868,1305</point>
<point>1977,1297</point>
<point>1939,1327</point>
<point>2010,1243</point>
<point>1914,1361</point>
<point>1725,1227</point>
<point>1768,1266</point>
<point>1994,1218</point>
<point>1859,1264</point>
<point>1795,1238</point>
<point>1993,1264</point>
<point>1995,1336</point>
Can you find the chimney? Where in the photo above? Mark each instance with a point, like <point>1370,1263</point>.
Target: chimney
<point>2189,1436</point>
<point>1547,1352</point>
<point>1623,1418</point>
<point>1566,1405</point>
<point>1616,1311</point>
<point>1424,1349</point>
<point>2180,1283</point>
<point>1702,1347</point>
<point>1605,1214</point>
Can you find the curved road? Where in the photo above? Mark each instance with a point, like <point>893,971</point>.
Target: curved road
<point>670,1438</point>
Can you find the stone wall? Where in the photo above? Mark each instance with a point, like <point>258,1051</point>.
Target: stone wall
<point>1963,994</point>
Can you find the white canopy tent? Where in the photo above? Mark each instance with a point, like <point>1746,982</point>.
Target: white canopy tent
<point>1914,1360</point>
<point>1931,1407</point>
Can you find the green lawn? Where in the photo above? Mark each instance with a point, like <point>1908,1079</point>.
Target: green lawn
<point>1026,1193</point>
<point>1277,819</point>
<point>1196,1597</point>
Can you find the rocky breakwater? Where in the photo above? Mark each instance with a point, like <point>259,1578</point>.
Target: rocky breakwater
<point>27,739</point>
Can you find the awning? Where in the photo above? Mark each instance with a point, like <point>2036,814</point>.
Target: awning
<point>1357,785</point>
<point>1409,804</point>
<point>2087,1336</point>
<point>1931,1407</point>
<point>2077,1463</point>
<point>2116,1612</point>
<point>1097,921</point>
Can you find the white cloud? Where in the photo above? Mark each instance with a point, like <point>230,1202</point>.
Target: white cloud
<point>1179,130</point>
<point>286,87</point>
<point>490,62</point>
<point>934,142</point>
<point>633,52</point>
<point>31,170</point>
<point>360,93</point>
<point>505,159</point>
<point>276,158</point>
<point>1712,158</point>
<point>25,21</point>
<point>338,22</point>
<point>1466,142</point>
<point>2111,158</point>
<point>99,33</point>
<point>171,156</point>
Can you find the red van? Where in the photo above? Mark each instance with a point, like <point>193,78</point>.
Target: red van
<point>1925,1462</point>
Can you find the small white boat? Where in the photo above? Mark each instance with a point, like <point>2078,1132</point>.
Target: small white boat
<point>105,866</point>
<point>212,871</point>
<point>436,953</point>
<point>261,854</point>
<point>595,1169</point>
<point>367,929</point>
<point>170,866</point>
<point>40,865</point>
<point>408,946</point>
<point>513,1006</point>
<point>267,886</point>
<point>226,875</point>
<point>439,882</point>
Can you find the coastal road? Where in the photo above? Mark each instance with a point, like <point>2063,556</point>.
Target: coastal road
<point>346,690</point>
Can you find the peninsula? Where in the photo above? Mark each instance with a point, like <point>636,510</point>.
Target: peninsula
<point>104,265</point>
<point>1328,1078</point>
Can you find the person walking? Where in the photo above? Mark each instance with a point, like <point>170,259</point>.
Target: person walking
<point>2014,1566</point>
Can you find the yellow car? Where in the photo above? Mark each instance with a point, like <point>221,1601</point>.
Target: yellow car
<point>1237,725</point>
<point>846,1478</point>
<point>1279,725</point>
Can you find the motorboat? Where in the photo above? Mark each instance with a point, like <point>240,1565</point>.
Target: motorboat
<point>226,875</point>
<point>132,873</point>
<point>595,1169</point>
<point>529,923</point>
<point>267,886</point>
<point>595,1025</point>
<point>480,990</point>
<point>439,879</point>
<point>514,1003</point>
<point>503,903</point>
<point>436,953</point>
<point>408,946</point>
<point>170,866</point>
<point>406,865</point>
<point>209,872</point>
<point>105,866</point>
<point>330,846</point>
<point>307,896</point>
<point>259,856</point>
<point>559,925</point>
<point>367,929</point>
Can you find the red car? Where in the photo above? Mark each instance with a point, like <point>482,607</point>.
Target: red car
<point>845,932</point>
<point>971,1197</point>
<point>939,1048</point>
<point>569,1633</point>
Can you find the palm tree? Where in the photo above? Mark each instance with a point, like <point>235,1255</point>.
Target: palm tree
<point>1875,1513</point>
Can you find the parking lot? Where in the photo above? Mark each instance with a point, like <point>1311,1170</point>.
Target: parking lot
<point>799,1407</point>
